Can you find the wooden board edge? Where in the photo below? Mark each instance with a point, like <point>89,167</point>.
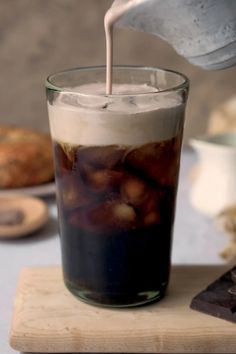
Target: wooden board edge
<point>24,274</point>
<point>18,344</point>
<point>12,334</point>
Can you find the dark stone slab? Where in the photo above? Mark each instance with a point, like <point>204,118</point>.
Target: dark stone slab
<point>219,298</point>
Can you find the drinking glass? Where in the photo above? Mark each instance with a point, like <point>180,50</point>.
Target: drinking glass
<point>116,168</point>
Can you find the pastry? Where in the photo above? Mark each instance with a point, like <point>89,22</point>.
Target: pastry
<point>25,157</point>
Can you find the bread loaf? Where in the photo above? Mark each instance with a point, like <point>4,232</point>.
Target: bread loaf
<point>25,157</point>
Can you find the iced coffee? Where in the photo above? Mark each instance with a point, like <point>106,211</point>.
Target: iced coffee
<point>116,163</point>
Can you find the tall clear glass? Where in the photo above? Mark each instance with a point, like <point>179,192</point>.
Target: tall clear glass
<point>116,164</point>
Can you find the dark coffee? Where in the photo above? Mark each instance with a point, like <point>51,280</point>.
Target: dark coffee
<point>116,210</point>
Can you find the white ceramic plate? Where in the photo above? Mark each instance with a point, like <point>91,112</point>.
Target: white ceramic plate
<point>43,190</point>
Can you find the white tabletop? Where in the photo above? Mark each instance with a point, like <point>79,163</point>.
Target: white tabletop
<point>196,241</point>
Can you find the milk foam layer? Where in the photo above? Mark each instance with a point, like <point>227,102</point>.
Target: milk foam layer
<point>80,119</point>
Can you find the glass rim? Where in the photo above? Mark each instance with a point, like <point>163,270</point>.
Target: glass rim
<point>184,85</point>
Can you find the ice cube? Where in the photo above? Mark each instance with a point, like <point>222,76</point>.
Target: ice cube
<point>102,180</point>
<point>150,210</point>
<point>80,97</point>
<point>100,156</point>
<point>134,190</point>
<point>106,217</point>
<point>123,213</point>
<point>158,162</point>
<point>73,192</point>
<point>151,218</point>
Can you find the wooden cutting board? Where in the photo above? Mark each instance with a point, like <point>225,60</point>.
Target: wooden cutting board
<point>48,319</point>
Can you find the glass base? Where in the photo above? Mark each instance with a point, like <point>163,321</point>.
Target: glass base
<point>116,301</point>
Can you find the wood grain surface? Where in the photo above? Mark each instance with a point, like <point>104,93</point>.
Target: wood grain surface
<point>48,319</point>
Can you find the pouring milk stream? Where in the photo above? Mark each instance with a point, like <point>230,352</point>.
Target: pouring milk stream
<point>118,9</point>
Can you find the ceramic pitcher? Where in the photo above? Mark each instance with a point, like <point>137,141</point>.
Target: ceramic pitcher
<point>214,186</point>
<point>203,31</point>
